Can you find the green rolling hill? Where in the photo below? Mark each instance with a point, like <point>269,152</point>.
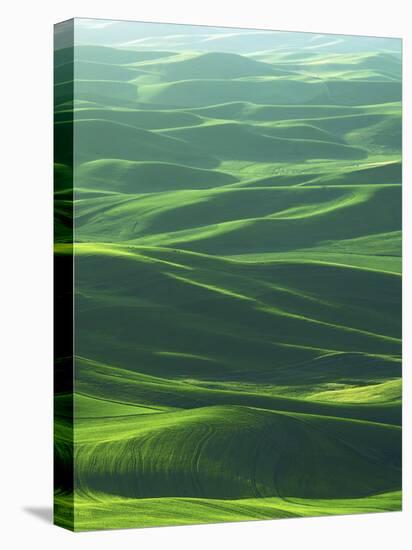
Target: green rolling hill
<point>144,177</point>
<point>233,202</point>
<point>176,454</point>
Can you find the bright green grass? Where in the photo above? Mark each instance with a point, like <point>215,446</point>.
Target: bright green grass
<point>110,383</point>
<point>97,511</point>
<point>235,452</point>
<point>375,393</point>
<point>237,261</point>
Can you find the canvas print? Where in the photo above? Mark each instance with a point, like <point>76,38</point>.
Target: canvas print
<point>227,274</point>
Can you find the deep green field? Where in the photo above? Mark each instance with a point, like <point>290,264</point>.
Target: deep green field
<point>234,199</point>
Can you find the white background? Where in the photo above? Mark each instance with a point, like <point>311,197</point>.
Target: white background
<point>26,272</point>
